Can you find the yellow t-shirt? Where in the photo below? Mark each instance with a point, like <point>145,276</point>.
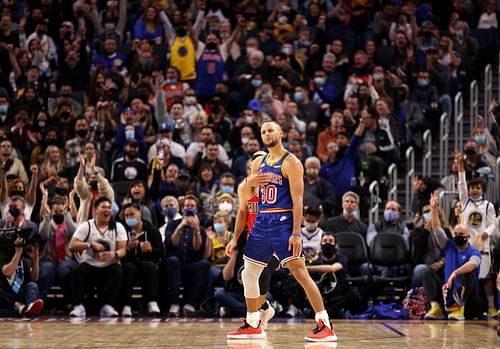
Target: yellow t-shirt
<point>218,255</point>
<point>183,57</point>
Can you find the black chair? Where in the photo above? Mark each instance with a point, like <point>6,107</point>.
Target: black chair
<point>353,246</point>
<point>389,250</point>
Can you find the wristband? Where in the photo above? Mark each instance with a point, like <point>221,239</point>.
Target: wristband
<point>296,235</point>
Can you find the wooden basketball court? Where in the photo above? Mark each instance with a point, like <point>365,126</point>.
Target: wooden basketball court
<point>62,332</point>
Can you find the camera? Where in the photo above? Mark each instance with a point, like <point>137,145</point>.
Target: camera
<point>9,235</point>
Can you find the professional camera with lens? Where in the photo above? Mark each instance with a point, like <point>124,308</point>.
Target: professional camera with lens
<point>9,235</point>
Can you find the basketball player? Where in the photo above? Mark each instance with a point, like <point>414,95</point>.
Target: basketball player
<point>247,211</point>
<point>277,229</point>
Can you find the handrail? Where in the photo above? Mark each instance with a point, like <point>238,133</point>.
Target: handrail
<point>444,137</point>
<point>459,121</point>
<point>410,172</point>
<point>392,192</point>
<point>473,104</point>
<point>488,91</point>
<point>427,158</point>
<point>374,190</point>
<point>446,198</point>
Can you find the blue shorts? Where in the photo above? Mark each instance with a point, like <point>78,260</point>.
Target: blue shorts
<point>270,234</point>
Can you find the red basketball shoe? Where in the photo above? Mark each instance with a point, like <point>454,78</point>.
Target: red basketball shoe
<point>321,334</point>
<point>247,332</point>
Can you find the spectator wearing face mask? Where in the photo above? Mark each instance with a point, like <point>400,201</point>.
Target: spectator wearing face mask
<point>311,234</point>
<point>170,212</point>
<point>318,191</point>
<point>426,252</point>
<point>392,223</point>
<point>478,215</point>
<point>215,248</point>
<point>56,261</point>
<point>487,146</point>
<point>348,220</point>
<point>474,166</point>
<point>461,271</point>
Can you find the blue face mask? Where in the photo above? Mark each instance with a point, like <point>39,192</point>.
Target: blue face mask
<point>169,212</point>
<point>476,198</point>
<point>219,227</point>
<point>480,139</point>
<point>319,80</point>
<point>422,83</point>
<point>129,135</point>
<point>390,215</point>
<point>171,81</point>
<point>227,189</point>
<point>298,96</point>
<point>131,222</point>
<point>4,108</point>
<point>256,83</point>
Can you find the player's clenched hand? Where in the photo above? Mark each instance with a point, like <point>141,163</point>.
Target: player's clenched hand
<point>259,178</point>
<point>230,248</point>
<point>295,245</point>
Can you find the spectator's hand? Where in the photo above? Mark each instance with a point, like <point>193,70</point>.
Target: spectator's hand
<point>132,243</point>
<point>259,178</point>
<point>194,222</point>
<point>312,126</point>
<point>10,47</point>
<point>436,266</point>
<point>295,245</point>
<point>416,183</point>
<point>82,160</point>
<point>34,170</point>
<point>459,160</point>
<point>410,52</point>
<point>434,200</point>
<point>97,247</point>
<point>22,24</point>
<point>146,247</point>
<point>231,247</point>
<point>371,148</point>
<point>19,244</point>
<point>106,256</point>
<point>452,277</point>
<point>325,106</point>
<point>210,233</point>
<point>492,106</point>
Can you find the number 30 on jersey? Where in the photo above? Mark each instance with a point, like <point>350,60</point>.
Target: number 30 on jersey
<point>268,194</point>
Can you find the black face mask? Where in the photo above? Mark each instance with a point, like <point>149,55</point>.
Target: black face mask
<point>60,191</point>
<point>17,193</point>
<point>211,46</point>
<point>181,31</point>
<point>93,185</point>
<point>131,154</point>
<point>64,114</point>
<point>51,141</point>
<point>66,95</point>
<point>58,218</point>
<point>14,212</point>
<point>469,152</point>
<point>328,250</point>
<point>460,240</point>
<point>82,133</point>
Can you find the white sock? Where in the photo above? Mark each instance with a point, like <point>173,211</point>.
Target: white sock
<point>323,315</point>
<point>253,319</point>
<point>491,302</point>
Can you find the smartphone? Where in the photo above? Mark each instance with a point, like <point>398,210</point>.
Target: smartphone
<point>161,154</point>
<point>132,235</point>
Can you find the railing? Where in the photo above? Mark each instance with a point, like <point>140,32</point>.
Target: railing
<point>493,190</point>
<point>410,172</point>
<point>488,91</point>
<point>444,137</point>
<point>474,104</point>
<point>374,202</point>
<point>392,190</point>
<point>427,158</point>
<point>459,121</point>
<point>449,182</point>
<point>446,199</point>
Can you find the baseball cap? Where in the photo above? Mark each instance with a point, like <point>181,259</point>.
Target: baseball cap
<point>165,127</point>
<point>254,105</point>
<point>184,173</point>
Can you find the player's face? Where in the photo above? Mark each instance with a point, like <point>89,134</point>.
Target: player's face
<point>271,135</point>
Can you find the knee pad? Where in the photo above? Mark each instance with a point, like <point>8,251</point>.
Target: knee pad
<point>250,277</point>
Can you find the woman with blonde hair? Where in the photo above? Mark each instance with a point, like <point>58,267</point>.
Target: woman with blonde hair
<point>52,165</point>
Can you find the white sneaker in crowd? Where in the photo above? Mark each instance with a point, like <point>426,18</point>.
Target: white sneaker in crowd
<point>78,311</point>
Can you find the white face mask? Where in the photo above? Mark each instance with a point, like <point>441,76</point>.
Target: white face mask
<point>310,226</point>
<point>226,207</point>
<point>244,140</point>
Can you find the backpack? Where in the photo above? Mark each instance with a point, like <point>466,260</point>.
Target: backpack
<point>392,311</point>
<point>415,303</point>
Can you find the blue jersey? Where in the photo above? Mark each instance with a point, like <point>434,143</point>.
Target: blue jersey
<point>210,70</point>
<point>276,194</point>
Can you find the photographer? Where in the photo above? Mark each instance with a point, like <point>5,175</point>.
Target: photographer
<point>56,229</point>
<point>103,242</point>
<point>144,251</point>
<point>15,217</point>
<point>18,280</point>
<point>184,242</point>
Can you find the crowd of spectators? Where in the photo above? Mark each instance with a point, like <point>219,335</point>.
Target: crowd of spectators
<point>126,126</point>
